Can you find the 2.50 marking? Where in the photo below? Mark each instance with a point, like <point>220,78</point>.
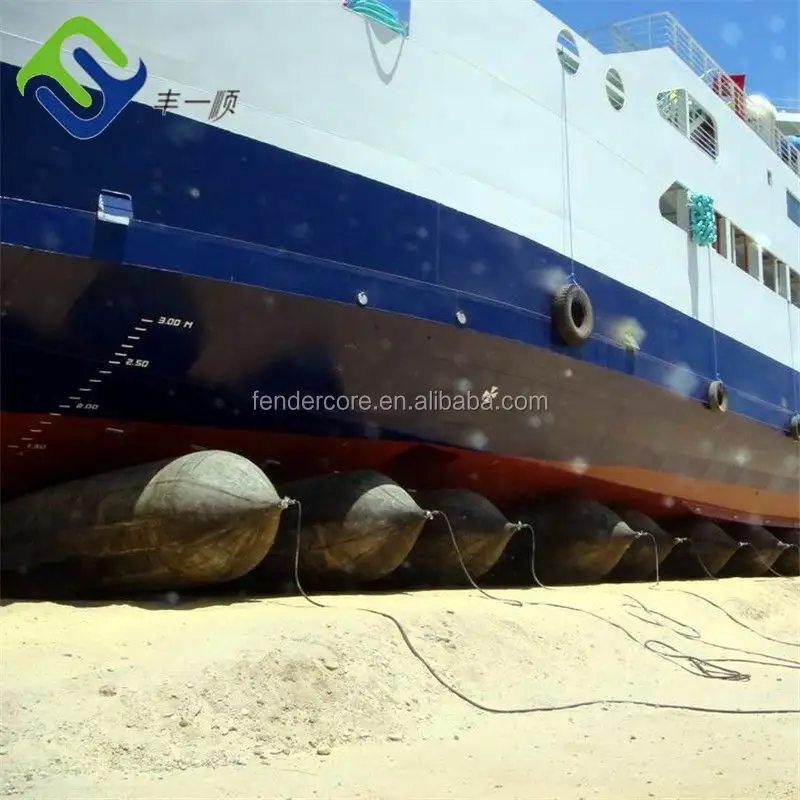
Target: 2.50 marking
<point>175,322</point>
<point>121,356</point>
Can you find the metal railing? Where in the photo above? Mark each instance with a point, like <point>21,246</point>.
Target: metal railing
<point>663,30</point>
<point>685,114</point>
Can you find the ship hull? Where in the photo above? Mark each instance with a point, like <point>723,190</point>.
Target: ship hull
<point>249,271</point>
<point>125,364</point>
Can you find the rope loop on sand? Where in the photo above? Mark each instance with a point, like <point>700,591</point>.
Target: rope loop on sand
<point>705,668</point>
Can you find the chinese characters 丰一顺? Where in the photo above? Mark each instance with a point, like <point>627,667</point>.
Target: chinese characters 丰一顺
<point>224,102</point>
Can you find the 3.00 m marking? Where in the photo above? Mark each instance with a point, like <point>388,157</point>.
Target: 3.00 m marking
<point>175,322</point>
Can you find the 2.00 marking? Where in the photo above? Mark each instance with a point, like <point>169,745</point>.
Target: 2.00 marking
<point>87,406</point>
<point>175,322</point>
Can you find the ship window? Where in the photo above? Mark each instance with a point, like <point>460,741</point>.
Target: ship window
<point>782,282</point>
<point>615,89</point>
<point>568,53</point>
<point>769,178</point>
<point>685,114</point>
<point>794,287</point>
<point>673,205</point>
<point>720,245</point>
<point>742,255</point>
<point>775,274</point>
<point>793,208</point>
<point>771,267</point>
<point>392,14</point>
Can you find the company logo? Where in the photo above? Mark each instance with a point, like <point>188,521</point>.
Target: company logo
<point>116,93</point>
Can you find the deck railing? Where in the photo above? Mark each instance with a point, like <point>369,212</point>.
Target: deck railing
<point>663,30</point>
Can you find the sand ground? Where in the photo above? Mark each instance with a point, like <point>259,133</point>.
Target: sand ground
<point>278,699</point>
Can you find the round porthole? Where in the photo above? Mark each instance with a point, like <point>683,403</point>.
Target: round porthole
<point>615,89</point>
<point>567,51</point>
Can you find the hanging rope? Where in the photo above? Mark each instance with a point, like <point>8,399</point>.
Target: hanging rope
<point>703,225</point>
<point>567,185</point>
<point>795,370</point>
<point>713,316</point>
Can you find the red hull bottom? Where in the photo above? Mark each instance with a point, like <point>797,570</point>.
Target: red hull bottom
<point>81,447</point>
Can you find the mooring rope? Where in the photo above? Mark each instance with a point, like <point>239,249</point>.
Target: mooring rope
<point>567,180</point>
<point>795,370</point>
<point>713,315</point>
<point>703,667</point>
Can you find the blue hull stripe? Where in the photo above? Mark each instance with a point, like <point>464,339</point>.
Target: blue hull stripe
<point>219,205</point>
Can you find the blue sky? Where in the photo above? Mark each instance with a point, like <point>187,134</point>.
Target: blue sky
<point>756,37</point>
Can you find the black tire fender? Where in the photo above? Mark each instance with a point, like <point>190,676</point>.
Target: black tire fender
<point>718,396</point>
<point>573,315</point>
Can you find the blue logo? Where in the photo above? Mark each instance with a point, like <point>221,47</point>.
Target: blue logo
<point>116,93</point>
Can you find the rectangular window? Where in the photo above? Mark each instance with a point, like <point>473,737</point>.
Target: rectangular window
<point>771,267</point>
<point>782,279</point>
<point>794,287</point>
<point>793,208</point>
<point>720,243</point>
<point>741,255</point>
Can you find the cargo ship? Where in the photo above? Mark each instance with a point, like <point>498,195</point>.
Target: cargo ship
<point>458,243</point>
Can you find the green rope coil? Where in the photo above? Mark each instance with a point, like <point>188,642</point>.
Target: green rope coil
<point>703,221</point>
<point>379,12</point>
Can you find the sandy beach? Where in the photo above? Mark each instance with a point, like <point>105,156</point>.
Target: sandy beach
<point>279,699</point>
